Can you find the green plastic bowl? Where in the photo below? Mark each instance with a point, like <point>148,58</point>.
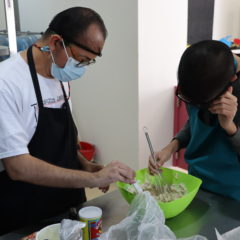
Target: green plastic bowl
<point>170,176</point>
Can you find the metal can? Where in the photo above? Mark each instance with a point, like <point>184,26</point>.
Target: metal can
<point>92,216</point>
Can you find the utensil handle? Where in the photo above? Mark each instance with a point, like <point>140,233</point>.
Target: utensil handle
<point>150,144</point>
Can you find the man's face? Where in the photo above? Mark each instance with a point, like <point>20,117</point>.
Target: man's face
<point>84,49</point>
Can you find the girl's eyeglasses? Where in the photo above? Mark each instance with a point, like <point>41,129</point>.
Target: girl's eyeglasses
<point>205,105</point>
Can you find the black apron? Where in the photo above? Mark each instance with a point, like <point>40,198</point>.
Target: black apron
<point>54,141</point>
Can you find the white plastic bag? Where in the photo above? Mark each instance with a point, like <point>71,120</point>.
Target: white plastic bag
<point>196,237</point>
<point>233,234</point>
<point>145,220</point>
<point>71,229</point>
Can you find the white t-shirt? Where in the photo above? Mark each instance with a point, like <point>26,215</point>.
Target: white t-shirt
<point>18,105</point>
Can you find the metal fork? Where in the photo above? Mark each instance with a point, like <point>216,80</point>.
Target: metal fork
<point>158,177</point>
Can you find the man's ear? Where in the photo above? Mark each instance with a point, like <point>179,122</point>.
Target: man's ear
<point>55,42</point>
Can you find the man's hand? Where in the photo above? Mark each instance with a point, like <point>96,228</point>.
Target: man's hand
<point>88,165</point>
<point>91,167</point>
<point>113,172</point>
<point>94,167</point>
<point>226,107</point>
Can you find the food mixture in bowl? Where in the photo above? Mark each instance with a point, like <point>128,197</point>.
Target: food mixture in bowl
<point>165,193</point>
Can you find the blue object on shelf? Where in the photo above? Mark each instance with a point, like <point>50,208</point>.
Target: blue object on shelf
<point>226,40</point>
<point>23,42</point>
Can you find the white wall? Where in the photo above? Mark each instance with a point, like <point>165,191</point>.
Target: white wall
<point>162,40</point>
<point>105,99</point>
<point>226,19</point>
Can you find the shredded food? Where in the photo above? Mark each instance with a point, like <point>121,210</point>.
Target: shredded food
<point>165,193</point>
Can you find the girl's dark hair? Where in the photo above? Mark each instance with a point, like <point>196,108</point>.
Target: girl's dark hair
<point>205,69</point>
<point>72,23</point>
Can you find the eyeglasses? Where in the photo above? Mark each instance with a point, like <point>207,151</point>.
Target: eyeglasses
<point>76,43</point>
<point>184,99</point>
<point>85,48</point>
<point>84,62</point>
<point>205,105</point>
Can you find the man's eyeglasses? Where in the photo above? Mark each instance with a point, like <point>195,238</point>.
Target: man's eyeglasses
<point>86,48</point>
<point>84,62</point>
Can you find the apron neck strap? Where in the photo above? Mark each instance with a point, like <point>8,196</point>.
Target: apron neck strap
<point>34,77</point>
<point>35,80</point>
<point>64,92</point>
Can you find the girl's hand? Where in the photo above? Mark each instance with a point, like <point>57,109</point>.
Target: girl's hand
<point>226,107</point>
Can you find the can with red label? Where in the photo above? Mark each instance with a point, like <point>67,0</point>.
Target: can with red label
<point>92,216</point>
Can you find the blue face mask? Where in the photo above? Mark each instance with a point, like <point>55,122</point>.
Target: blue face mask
<point>69,72</point>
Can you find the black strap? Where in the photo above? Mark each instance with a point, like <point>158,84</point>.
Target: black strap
<point>34,77</point>
<point>64,93</point>
<point>33,72</point>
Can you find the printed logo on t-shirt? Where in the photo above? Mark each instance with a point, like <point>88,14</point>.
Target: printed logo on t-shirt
<point>48,102</point>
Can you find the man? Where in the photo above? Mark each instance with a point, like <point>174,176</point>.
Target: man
<point>44,173</point>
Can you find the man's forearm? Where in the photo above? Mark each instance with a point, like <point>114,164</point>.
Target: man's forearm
<point>33,170</point>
